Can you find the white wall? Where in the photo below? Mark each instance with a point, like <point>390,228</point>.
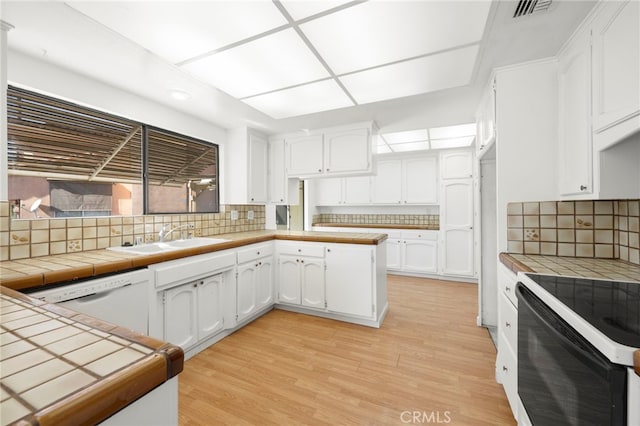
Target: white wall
<point>34,74</point>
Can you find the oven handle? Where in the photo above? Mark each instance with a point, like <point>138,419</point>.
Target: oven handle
<point>571,340</point>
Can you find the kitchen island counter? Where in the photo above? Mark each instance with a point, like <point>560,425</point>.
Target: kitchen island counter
<point>47,270</point>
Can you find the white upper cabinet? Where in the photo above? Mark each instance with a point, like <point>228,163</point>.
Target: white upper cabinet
<point>616,72</point>
<point>281,189</point>
<point>340,151</point>
<point>456,164</point>
<point>486,120</point>
<point>411,180</point>
<point>354,190</point>
<point>246,166</point>
<point>575,146</point>
<point>329,192</point>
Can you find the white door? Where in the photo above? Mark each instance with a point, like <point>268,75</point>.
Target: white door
<point>420,178</point>
<point>246,292</point>
<point>394,246</point>
<point>387,184</point>
<point>210,315</point>
<point>277,173</point>
<point>616,64</point>
<point>349,285</point>
<point>456,227</point>
<point>258,166</point>
<point>575,155</point>
<point>420,256</point>
<point>264,282</point>
<point>180,309</point>
<point>288,279</point>
<point>328,191</point>
<point>312,273</point>
<point>357,190</point>
<point>347,151</point>
<point>304,155</point>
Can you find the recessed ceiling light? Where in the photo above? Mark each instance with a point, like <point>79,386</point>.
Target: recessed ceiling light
<point>179,95</point>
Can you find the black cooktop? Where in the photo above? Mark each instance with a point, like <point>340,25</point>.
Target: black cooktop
<point>613,307</point>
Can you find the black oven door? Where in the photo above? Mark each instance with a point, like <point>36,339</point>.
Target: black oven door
<point>562,378</point>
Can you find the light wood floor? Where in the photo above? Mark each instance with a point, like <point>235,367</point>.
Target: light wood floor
<point>285,368</point>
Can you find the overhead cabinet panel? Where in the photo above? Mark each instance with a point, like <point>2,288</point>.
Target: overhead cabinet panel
<point>304,155</point>
<point>347,151</point>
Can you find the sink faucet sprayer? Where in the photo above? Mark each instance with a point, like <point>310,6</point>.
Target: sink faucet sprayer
<point>164,233</point>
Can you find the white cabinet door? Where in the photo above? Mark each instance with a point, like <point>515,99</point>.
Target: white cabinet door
<point>357,190</point>
<point>456,164</point>
<point>288,279</point>
<point>387,184</point>
<point>347,151</point>
<point>328,191</point>
<point>304,156</point>
<point>349,285</point>
<point>420,180</point>
<point>210,313</point>
<point>394,254</point>
<point>277,172</point>
<point>575,157</point>
<point>420,256</point>
<point>180,320</point>
<point>485,123</point>
<point>246,291</point>
<point>264,282</point>
<point>312,282</point>
<point>456,227</point>
<point>616,68</point>
<point>258,166</point>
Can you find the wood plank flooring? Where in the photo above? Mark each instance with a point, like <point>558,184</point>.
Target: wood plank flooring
<point>429,359</point>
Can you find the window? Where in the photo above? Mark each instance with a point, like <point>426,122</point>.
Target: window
<point>63,157</point>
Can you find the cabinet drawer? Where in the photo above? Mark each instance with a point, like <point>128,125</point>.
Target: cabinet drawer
<point>255,251</point>
<point>508,321</point>
<point>507,281</point>
<point>420,235</point>
<point>301,249</point>
<point>507,374</point>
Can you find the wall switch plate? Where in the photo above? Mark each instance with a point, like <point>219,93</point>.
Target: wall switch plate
<point>250,215</point>
<point>234,214</point>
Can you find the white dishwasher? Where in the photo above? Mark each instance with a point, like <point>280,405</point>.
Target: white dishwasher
<point>120,299</point>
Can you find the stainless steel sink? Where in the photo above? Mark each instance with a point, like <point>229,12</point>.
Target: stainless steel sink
<point>160,247</point>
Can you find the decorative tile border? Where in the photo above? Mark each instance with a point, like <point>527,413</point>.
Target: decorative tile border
<point>607,229</point>
<point>376,219</point>
<point>26,238</point>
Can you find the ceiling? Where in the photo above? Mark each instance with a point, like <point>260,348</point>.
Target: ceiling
<point>287,65</point>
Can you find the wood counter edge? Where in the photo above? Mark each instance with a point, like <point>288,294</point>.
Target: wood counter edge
<point>636,361</point>
<point>513,264</point>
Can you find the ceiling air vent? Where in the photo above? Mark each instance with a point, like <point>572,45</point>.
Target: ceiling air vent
<point>529,7</point>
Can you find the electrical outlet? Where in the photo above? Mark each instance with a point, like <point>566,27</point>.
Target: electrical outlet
<point>250,215</point>
<point>234,214</point>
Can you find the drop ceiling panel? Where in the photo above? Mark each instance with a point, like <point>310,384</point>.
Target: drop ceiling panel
<point>406,136</point>
<point>375,33</point>
<point>177,31</point>
<point>452,131</point>
<point>321,96</point>
<point>269,63</point>
<point>303,9</point>
<point>431,73</point>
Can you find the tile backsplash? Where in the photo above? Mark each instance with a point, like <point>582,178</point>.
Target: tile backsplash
<point>378,219</point>
<point>606,229</point>
<point>22,239</point>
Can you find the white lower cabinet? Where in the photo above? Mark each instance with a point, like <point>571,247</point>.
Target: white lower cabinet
<point>254,284</point>
<point>349,285</point>
<point>193,311</point>
<point>507,359</point>
<point>301,274</point>
<point>412,251</point>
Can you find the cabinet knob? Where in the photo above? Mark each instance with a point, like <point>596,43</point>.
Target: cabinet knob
<point>258,253</point>
<point>319,170</point>
<point>507,288</point>
<point>583,188</point>
<point>504,368</point>
<point>302,261</point>
<point>327,169</point>
<point>195,285</point>
<point>507,324</point>
<point>299,250</point>
<point>328,250</point>
<point>297,260</point>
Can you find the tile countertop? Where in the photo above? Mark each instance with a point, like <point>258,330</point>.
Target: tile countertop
<point>59,366</point>
<point>376,225</point>
<point>46,270</point>
<point>611,269</point>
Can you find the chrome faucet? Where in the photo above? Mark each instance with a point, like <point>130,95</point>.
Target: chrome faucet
<point>164,232</point>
